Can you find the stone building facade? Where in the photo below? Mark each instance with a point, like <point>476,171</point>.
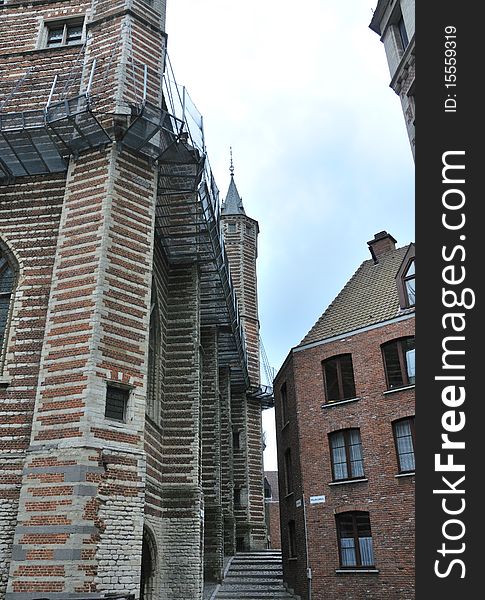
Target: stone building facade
<point>124,367</point>
<point>344,404</point>
<point>394,22</point>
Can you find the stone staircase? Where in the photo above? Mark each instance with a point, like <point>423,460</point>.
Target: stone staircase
<point>254,576</point>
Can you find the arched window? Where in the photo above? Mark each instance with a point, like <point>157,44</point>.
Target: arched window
<point>154,351</point>
<point>7,280</point>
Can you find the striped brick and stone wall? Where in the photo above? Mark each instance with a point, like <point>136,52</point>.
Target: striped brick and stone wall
<point>241,240</point>
<point>90,504</point>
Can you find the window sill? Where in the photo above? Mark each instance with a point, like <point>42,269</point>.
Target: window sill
<point>354,571</point>
<point>339,402</point>
<point>293,559</point>
<point>410,474</point>
<point>399,389</point>
<point>347,481</point>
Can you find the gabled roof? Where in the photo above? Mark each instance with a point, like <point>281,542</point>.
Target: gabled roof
<point>368,298</point>
<point>233,204</point>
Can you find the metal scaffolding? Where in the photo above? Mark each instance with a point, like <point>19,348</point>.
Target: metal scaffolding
<point>170,136</point>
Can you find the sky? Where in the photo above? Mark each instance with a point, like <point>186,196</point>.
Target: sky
<point>322,161</point>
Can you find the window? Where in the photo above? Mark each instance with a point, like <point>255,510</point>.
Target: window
<point>116,403</point>
<point>339,378</point>
<point>268,493</point>
<point>346,454</point>
<point>63,33</point>
<point>355,540</point>
<point>406,275</point>
<point>288,473</point>
<point>403,34</point>
<point>399,362</point>
<point>404,439</point>
<point>7,278</point>
<point>231,228</point>
<point>409,281</point>
<point>240,497</point>
<point>292,539</point>
<point>236,440</point>
<point>284,405</point>
<point>154,378</point>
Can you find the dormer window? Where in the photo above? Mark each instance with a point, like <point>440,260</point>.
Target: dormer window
<point>409,281</point>
<point>406,279</point>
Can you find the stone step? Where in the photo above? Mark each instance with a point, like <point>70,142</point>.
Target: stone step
<point>253,595</point>
<point>254,576</point>
<point>250,571</point>
<point>255,580</point>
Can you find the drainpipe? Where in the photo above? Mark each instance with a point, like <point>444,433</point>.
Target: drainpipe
<point>308,568</point>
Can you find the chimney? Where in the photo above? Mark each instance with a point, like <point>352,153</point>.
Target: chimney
<point>383,242</point>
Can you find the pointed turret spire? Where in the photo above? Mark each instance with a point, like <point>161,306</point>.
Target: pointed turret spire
<point>233,203</point>
<point>231,168</point>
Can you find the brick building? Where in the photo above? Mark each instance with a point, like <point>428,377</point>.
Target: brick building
<point>272,505</point>
<point>344,404</point>
<point>130,401</point>
<point>394,22</point>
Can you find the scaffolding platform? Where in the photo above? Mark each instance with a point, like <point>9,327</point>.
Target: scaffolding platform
<point>40,142</point>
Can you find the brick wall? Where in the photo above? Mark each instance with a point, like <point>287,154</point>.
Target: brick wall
<point>23,207</point>
<point>388,499</point>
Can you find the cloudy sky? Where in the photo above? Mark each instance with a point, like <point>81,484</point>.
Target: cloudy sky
<point>321,155</point>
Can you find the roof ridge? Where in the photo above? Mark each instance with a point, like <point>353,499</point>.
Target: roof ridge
<point>333,320</point>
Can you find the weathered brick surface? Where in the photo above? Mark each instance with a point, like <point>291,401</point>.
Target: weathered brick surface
<point>88,504</point>
<point>388,499</point>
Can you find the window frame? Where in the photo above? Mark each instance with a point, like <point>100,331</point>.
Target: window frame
<point>402,362</point>
<point>411,419</point>
<point>154,375</point>
<point>65,22</point>
<point>341,392</point>
<point>358,556</point>
<point>288,463</point>
<point>405,279</point>
<point>401,278</point>
<point>292,545</point>
<point>115,386</point>
<point>267,486</point>
<point>284,404</point>
<point>347,439</point>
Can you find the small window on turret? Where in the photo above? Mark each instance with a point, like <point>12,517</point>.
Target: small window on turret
<point>231,227</point>
<point>63,33</point>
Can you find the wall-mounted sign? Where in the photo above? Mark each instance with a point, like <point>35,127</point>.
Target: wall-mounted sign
<point>298,503</point>
<point>317,499</point>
